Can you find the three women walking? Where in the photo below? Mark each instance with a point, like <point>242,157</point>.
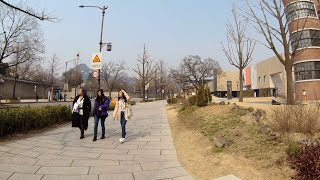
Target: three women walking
<point>82,107</point>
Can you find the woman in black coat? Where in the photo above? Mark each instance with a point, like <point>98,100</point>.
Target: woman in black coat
<point>81,109</point>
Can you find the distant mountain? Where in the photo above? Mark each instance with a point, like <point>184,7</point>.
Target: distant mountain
<point>85,71</point>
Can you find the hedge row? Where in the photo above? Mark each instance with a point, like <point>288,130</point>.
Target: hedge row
<point>23,119</point>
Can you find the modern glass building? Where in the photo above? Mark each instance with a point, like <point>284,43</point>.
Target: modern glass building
<point>304,26</point>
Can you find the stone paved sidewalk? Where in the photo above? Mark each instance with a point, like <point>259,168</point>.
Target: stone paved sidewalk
<point>59,154</point>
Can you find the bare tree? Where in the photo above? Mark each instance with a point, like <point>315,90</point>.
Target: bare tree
<point>194,70</point>
<point>18,30</point>
<point>239,47</point>
<point>145,71</point>
<point>113,74</point>
<point>269,18</point>
<point>29,12</point>
<point>160,78</point>
<point>73,78</point>
<point>52,70</point>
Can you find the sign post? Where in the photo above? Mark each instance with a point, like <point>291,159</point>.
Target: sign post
<point>97,64</point>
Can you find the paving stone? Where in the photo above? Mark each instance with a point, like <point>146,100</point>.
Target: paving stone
<point>162,147</point>
<point>148,139</point>
<point>160,174</point>
<point>81,154</point>
<point>26,142</point>
<point>160,158</point>
<point>5,175</point>
<point>53,157</point>
<point>18,160</point>
<point>77,149</point>
<point>46,150</point>
<point>26,153</point>
<point>94,145</point>
<point>6,149</point>
<point>168,152</point>
<point>64,170</point>
<point>160,165</point>
<point>110,151</point>
<point>59,154</point>
<point>54,163</point>
<point>18,176</point>
<point>125,146</point>
<point>5,154</point>
<point>51,142</point>
<point>81,163</point>
<point>129,162</point>
<point>116,157</point>
<point>115,169</point>
<point>145,152</point>
<point>124,176</point>
<point>132,142</point>
<point>51,146</point>
<point>70,177</point>
<point>18,146</point>
<point>14,168</point>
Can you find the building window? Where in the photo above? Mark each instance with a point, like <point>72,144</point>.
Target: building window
<point>305,38</point>
<point>307,70</point>
<point>259,80</point>
<point>264,78</point>
<point>300,9</point>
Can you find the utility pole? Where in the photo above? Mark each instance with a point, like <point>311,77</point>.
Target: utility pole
<point>101,44</point>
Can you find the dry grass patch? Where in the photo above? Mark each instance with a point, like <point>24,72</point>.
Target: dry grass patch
<point>245,152</point>
<point>296,119</point>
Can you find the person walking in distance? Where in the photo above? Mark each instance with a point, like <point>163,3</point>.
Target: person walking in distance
<point>122,112</point>
<point>100,112</point>
<point>81,109</point>
<point>304,95</point>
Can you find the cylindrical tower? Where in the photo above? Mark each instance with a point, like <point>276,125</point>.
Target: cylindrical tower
<point>304,26</point>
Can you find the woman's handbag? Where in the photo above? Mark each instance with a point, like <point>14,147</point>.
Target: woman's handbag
<point>75,120</point>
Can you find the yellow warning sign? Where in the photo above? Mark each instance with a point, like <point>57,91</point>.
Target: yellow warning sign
<point>96,59</point>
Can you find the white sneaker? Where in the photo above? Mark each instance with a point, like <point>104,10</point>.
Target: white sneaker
<point>122,140</point>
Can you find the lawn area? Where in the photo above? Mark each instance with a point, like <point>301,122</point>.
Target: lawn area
<point>215,141</point>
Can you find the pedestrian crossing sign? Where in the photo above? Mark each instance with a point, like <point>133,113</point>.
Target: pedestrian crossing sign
<point>96,60</point>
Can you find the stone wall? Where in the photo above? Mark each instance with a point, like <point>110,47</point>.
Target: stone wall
<point>24,89</point>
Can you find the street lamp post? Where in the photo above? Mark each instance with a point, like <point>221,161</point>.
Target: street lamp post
<point>65,76</point>
<point>101,44</point>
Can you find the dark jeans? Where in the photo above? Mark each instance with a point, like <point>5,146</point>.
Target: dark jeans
<point>96,123</point>
<point>123,123</point>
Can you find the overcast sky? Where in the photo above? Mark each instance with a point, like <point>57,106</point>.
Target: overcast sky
<point>171,29</point>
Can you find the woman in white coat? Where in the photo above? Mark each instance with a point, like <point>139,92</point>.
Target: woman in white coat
<point>122,112</point>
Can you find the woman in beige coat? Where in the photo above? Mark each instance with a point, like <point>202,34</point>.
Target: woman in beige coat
<point>122,112</point>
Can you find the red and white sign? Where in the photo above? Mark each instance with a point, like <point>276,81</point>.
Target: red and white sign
<point>95,74</point>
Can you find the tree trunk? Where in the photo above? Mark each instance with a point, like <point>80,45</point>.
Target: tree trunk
<point>14,88</point>
<point>144,93</point>
<point>290,97</point>
<point>241,85</point>
<point>15,83</point>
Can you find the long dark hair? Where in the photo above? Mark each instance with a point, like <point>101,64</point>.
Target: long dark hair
<point>101,98</point>
<point>123,96</point>
<point>84,91</point>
